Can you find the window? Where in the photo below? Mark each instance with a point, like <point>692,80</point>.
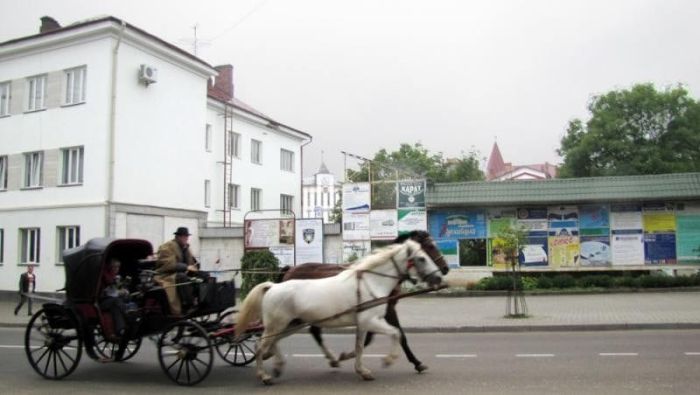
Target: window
<point>72,172</point>
<point>68,237</point>
<point>29,243</point>
<point>207,138</point>
<point>255,197</point>
<point>256,152</point>
<point>3,172</point>
<point>32,169</point>
<point>233,196</point>
<point>234,144</point>
<point>2,246</point>
<point>75,85</point>
<point>36,92</point>
<point>4,99</point>
<point>287,202</point>
<point>207,193</point>
<point>286,160</point>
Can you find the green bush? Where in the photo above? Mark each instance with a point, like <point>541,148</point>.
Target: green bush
<point>545,282</point>
<point>563,281</point>
<point>495,283</point>
<point>529,283</point>
<point>257,266</point>
<point>627,281</point>
<point>595,280</point>
<point>655,281</point>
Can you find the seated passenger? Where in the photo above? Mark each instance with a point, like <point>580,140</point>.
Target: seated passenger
<point>174,260</point>
<point>111,301</point>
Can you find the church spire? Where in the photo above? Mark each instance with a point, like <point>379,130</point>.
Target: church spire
<point>495,164</point>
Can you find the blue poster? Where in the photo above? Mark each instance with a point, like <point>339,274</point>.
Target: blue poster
<point>594,216</point>
<point>659,248</point>
<point>457,224</point>
<point>532,213</point>
<point>534,253</point>
<point>595,251</point>
<point>450,250</point>
<point>563,228</point>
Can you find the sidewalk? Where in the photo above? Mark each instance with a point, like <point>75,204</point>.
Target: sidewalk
<point>654,310</point>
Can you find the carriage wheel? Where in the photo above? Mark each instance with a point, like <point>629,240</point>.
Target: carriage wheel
<point>53,352</point>
<point>237,351</point>
<point>184,353</point>
<point>109,349</point>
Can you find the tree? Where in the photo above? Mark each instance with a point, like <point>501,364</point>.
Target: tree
<point>635,131</point>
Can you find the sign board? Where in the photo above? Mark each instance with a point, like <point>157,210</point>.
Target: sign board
<point>383,224</point>
<point>411,194</point>
<point>356,197</point>
<point>309,240</point>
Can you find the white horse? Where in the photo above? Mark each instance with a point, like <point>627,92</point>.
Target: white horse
<point>333,302</point>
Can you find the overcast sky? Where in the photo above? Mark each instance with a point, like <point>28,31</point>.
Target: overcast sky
<point>453,75</point>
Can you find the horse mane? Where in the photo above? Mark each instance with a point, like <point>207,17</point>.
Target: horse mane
<point>377,257</point>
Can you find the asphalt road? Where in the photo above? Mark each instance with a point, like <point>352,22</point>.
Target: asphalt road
<point>620,362</point>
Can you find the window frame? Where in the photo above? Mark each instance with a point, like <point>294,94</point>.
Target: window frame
<point>33,169</point>
<point>255,199</point>
<point>72,96</point>
<point>234,196</point>
<point>207,193</point>
<point>36,92</point>
<point>286,160</point>
<point>256,151</point>
<point>70,175</point>
<point>63,234</point>
<point>4,165</point>
<point>30,245</point>
<point>5,97</point>
<point>2,246</point>
<point>286,202</point>
<point>234,144</point>
<point>208,137</point>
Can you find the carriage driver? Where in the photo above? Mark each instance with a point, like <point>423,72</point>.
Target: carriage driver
<point>174,259</point>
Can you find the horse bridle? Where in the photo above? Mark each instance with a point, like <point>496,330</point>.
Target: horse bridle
<point>402,276</point>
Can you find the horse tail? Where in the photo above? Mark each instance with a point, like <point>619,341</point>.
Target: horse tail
<point>283,272</point>
<point>251,307</point>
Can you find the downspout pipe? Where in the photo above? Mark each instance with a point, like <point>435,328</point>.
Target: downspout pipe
<point>112,132</point>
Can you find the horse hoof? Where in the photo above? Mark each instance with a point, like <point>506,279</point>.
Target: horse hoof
<point>387,361</point>
<point>420,368</point>
<point>267,381</point>
<point>367,377</point>
<point>343,357</point>
<point>334,364</point>
<point>276,372</point>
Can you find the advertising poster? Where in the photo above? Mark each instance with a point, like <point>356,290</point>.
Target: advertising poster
<point>688,238</point>
<point>284,254</point>
<point>594,217</point>
<point>534,253</point>
<point>659,248</point>
<point>502,212</point>
<point>309,240</point>
<point>355,226</point>
<point>261,233</point>
<point>383,224</point>
<point>626,217</point>
<point>562,213</point>
<point>563,228</point>
<point>286,231</point>
<point>595,251</point>
<point>355,250</point>
<point>457,224</point>
<point>450,250</point>
<point>356,197</point>
<point>659,222</point>
<point>410,219</point>
<point>411,194</point>
<point>563,251</point>
<point>627,249</point>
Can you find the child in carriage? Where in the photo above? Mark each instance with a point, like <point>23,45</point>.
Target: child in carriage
<point>112,301</point>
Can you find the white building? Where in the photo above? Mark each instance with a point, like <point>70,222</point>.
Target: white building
<point>321,193</point>
<point>107,130</point>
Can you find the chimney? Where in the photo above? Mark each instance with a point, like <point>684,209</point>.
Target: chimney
<point>222,88</point>
<point>48,24</point>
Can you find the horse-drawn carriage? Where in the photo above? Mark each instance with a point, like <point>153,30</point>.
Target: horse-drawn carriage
<point>59,332</point>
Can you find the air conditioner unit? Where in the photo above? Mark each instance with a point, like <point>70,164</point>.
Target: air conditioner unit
<point>148,74</point>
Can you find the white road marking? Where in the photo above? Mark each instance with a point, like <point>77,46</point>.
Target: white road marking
<point>11,346</point>
<point>618,354</point>
<point>534,355</point>
<point>455,355</point>
<point>323,356</point>
<point>692,353</point>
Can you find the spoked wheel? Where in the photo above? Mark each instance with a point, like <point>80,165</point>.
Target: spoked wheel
<point>237,351</point>
<point>53,344</point>
<point>184,353</point>
<point>109,349</point>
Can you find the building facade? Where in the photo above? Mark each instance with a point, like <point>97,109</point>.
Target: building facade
<point>107,130</point>
<point>321,193</point>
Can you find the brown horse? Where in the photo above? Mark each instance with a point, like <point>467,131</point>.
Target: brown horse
<point>322,270</point>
